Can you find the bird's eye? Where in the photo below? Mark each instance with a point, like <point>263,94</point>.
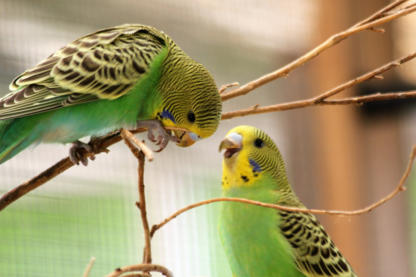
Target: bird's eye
<point>191,116</point>
<point>258,143</point>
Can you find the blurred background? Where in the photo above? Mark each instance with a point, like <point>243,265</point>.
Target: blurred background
<point>339,157</point>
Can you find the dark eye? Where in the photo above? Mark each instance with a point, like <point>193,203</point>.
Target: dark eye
<point>191,116</point>
<point>258,143</point>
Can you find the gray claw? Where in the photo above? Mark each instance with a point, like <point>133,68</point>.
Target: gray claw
<point>76,152</point>
<point>153,127</point>
<point>162,142</point>
<point>150,135</point>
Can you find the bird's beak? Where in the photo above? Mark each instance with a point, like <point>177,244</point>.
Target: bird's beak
<point>232,144</point>
<point>185,139</point>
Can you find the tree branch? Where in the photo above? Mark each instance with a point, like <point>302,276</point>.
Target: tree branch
<point>99,145</point>
<point>371,74</point>
<point>140,150</point>
<point>141,204</point>
<point>147,253</point>
<point>141,268</point>
<point>321,98</point>
<point>89,267</point>
<point>374,20</point>
<point>400,187</point>
<point>382,11</point>
<point>130,139</point>
<point>371,98</point>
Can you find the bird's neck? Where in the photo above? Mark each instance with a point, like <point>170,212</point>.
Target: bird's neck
<point>259,187</point>
<point>251,236</point>
<point>175,67</point>
<point>258,190</point>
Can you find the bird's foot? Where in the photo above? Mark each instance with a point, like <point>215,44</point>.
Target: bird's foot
<point>77,152</point>
<point>95,142</point>
<point>157,133</point>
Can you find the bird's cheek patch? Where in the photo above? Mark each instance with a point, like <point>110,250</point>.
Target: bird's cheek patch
<point>255,166</point>
<point>167,115</point>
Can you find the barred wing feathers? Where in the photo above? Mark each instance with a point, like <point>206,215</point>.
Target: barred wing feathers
<point>102,65</point>
<point>314,252</point>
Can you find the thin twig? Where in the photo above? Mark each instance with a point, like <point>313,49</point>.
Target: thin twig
<point>134,150</point>
<point>380,12</point>
<point>223,88</point>
<point>371,98</point>
<point>371,74</point>
<point>89,267</point>
<point>256,109</point>
<point>127,135</point>
<point>321,98</point>
<point>331,41</point>
<point>143,268</point>
<point>136,275</point>
<point>400,187</point>
<point>141,204</point>
<point>147,253</point>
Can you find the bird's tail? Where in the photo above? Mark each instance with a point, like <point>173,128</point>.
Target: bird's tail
<point>11,142</point>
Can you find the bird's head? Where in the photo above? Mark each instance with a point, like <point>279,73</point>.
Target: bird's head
<point>191,102</point>
<point>249,154</point>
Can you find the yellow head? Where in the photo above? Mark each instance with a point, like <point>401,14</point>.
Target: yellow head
<point>250,154</point>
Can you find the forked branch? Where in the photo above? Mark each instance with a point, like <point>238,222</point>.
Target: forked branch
<point>322,99</point>
<point>386,14</point>
<point>400,187</point>
<point>382,16</point>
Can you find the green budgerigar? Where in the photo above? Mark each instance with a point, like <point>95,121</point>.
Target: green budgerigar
<point>260,241</point>
<point>120,77</point>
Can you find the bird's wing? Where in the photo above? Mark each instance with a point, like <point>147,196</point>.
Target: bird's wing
<point>102,65</point>
<point>314,251</point>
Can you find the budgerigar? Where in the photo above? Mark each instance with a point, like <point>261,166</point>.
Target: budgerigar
<point>260,241</point>
<point>125,76</point>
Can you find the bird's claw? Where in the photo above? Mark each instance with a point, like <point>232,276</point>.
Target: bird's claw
<point>76,152</point>
<point>162,141</point>
<point>151,136</point>
<point>157,133</point>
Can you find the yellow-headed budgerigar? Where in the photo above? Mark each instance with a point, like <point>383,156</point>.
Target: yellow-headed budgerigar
<point>260,241</point>
<point>125,76</point>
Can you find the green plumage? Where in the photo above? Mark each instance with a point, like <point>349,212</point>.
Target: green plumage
<point>265,242</point>
<point>104,81</point>
<point>250,237</point>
